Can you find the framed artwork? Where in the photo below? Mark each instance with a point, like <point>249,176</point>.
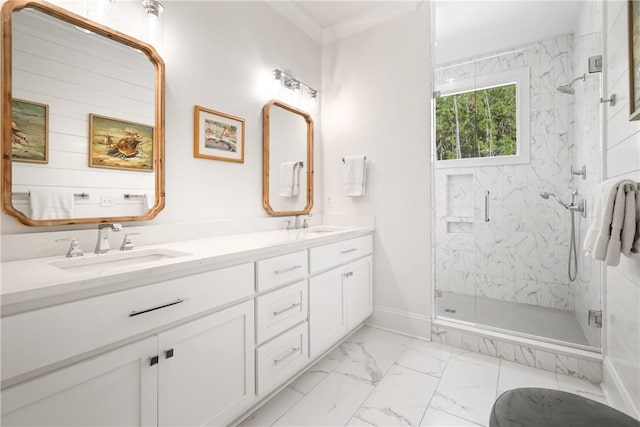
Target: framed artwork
<point>119,144</point>
<point>633,7</point>
<point>29,131</point>
<point>218,136</point>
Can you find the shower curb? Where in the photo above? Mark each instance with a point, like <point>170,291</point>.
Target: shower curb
<point>572,362</point>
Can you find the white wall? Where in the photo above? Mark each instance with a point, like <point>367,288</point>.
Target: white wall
<point>375,101</point>
<point>622,292</point>
<point>217,55</point>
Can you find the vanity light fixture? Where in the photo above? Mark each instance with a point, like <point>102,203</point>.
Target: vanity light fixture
<point>301,93</point>
<point>155,22</point>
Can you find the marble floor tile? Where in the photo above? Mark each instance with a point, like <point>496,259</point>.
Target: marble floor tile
<point>273,409</point>
<point>581,387</point>
<point>426,357</point>
<point>467,389</point>
<point>357,422</point>
<point>437,418</point>
<point>513,375</point>
<point>476,358</point>
<point>331,403</point>
<point>307,381</point>
<point>400,399</point>
<point>367,332</point>
<point>367,359</point>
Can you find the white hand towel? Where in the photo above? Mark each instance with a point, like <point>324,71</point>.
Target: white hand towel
<point>628,231</point>
<point>51,204</point>
<point>636,241</point>
<point>287,170</point>
<point>295,189</point>
<point>355,175</point>
<point>149,201</point>
<point>601,215</point>
<point>614,244</point>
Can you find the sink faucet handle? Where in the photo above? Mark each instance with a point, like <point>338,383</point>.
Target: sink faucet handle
<point>305,223</point>
<point>288,221</point>
<point>127,243</point>
<point>74,248</point>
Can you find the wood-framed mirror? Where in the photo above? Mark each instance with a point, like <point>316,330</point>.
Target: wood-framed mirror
<point>82,120</point>
<point>287,173</point>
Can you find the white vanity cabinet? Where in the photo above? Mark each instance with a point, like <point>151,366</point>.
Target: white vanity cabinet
<point>116,388</point>
<point>206,369</point>
<point>194,349</point>
<point>339,299</point>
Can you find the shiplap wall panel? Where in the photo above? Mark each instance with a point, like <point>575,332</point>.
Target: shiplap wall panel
<point>78,74</point>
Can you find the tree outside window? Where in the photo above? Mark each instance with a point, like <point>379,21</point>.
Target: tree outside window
<point>476,124</point>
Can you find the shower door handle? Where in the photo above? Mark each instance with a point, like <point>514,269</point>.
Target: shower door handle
<point>486,206</point>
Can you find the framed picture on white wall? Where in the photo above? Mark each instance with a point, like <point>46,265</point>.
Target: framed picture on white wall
<point>29,131</point>
<point>218,136</point>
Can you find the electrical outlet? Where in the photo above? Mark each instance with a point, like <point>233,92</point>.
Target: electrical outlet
<point>106,201</point>
<point>329,201</point>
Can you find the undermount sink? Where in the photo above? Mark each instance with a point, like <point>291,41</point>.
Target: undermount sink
<point>108,262</point>
<point>321,229</point>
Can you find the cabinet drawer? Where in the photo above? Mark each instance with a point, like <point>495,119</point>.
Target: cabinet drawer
<point>325,257</point>
<point>41,337</point>
<point>279,310</point>
<point>279,359</point>
<point>279,270</point>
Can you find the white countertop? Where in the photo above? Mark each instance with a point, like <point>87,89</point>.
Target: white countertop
<point>36,283</point>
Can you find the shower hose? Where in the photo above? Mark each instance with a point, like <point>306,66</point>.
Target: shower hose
<point>572,250</point>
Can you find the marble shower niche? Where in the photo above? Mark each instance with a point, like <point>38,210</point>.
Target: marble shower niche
<point>460,204</point>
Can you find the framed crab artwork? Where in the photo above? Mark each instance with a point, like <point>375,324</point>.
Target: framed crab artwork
<point>29,131</point>
<point>120,144</point>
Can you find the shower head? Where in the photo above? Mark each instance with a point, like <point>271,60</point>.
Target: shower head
<point>568,88</point>
<point>546,196</point>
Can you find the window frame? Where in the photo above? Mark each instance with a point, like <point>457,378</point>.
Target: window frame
<point>521,77</point>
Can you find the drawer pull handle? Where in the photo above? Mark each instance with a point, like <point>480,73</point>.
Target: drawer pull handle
<point>137,313</point>
<point>284,310</point>
<point>349,250</point>
<point>286,270</point>
<point>288,355</point>
<point>349,274</point>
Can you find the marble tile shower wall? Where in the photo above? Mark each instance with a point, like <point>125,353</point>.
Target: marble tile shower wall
<point>587,152</point>
<point>521,254</point>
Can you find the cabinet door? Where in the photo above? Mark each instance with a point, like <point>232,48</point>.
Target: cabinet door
<point>116,388</point>
<point>358,291</point>
<point>326,311</point>
<point>207,372</point>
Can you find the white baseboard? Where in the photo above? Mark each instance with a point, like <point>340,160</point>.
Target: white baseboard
<point>411,324</point>
<point>616,393</point>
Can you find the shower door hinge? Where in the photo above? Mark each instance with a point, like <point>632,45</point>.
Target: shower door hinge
<point>595,318</point>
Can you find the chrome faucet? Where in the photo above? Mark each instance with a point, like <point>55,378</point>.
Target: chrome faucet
<point>102,245</point>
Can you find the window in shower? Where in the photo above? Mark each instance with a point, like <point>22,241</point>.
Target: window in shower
<point>483,121</point>
<point>477,123</point>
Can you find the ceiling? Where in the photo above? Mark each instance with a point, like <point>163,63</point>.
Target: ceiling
<point>462,28</point>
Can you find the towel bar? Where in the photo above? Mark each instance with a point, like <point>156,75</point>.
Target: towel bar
<point>28,194</point>
<point>134,196</point>
<point>365,157</point>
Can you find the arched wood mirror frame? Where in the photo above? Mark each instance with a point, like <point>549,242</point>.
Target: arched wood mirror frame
<point>266,128</point>
<point>158,131</point>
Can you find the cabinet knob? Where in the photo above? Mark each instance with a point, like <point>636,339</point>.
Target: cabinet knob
<point>153,360</point>
<point>168,354</point>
